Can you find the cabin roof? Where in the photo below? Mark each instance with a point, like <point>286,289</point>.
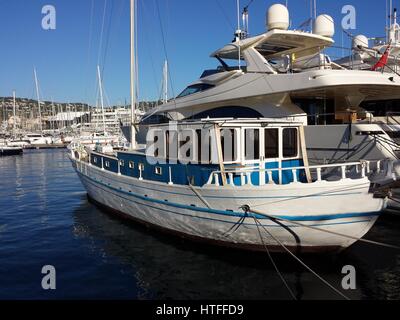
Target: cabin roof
<point>276,43</point>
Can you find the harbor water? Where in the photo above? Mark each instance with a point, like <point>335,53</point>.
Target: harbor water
<point>46,219</point>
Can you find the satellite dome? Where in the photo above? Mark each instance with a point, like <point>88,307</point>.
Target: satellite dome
<point>278,17</point>
<point>324,26</point>
<point>360,41</point>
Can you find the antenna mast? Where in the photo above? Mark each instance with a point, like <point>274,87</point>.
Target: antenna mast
<point>133,76</point>
<point>14,115</point>
<point>165,82</point>
<point>38,99</point>
<point>101,98</point>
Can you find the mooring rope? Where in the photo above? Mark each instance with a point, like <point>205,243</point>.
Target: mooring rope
<point>272,261</point>
<point>301,262</point>
<point>247,209</point>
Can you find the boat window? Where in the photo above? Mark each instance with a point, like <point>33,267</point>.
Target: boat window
<point>201,147</point>
<point>252,144</point>
<point>121,163</point>
<point>155,119</point>
<point>95,159</point>
<point>195,89</point>
<point>158,171</point>
<point>107,164</point>
<point>228,112</point>
<point>131,165</point>
<point>290,142</point>
<point>271,150</point>
<point>228,145</point>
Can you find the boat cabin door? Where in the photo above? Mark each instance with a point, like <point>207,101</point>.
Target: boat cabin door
<point>261,148</point>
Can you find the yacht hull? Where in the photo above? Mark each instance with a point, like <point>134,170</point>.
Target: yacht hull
<point>176,209</point>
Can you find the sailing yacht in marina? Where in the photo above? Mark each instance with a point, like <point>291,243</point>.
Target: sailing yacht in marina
<point>229,156</point>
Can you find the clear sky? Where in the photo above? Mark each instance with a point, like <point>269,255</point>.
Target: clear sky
<point>66,58</point>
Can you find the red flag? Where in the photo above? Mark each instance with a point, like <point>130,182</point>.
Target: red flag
<point>383,60</point>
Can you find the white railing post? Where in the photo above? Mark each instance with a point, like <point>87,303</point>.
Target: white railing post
<point>363,170</point>
<point>294,173</point>
<point>210,178</point>
<point>242,179</point>
<point>170,177</point>
<point>231,182</point>
<point>270,180</point>
<point>102,163</point>
<point>216,179</point>
<point>343,172</point>
<point>248,176</point>
<point>119,168</point>
<point>140,173</point>
<point>319,174</point>
<point>261,177</point>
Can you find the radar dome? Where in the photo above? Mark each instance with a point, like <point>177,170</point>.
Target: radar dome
<point>324,26</point>
<point>278,17</point>
<point>360,41</point>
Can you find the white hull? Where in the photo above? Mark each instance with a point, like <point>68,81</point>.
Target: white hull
<point>177,209</point>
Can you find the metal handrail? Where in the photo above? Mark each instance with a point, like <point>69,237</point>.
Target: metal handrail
<point>246,171</point>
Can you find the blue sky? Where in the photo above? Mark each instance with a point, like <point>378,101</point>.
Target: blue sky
<point>66,58</point>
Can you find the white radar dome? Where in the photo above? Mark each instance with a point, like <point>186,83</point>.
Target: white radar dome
<point>277,17</point>
<point>324,26</point>
<point>360,41</point>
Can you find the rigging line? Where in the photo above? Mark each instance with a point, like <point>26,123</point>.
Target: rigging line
<point>272,260</point>
<point>248,209</point>
<point>150,52</point>
<point>89,49</point>
<point>102,32</point>
<point>303,264</point>
<point>165,48</point>
<point>107,37</point>
<point>227,19</point>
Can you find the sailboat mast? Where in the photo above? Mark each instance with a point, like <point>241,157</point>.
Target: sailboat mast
<point>14,115</point>
<point>133,76</point>
<point>38,100</point>
<point>165,82</point>
<point>101,98</point>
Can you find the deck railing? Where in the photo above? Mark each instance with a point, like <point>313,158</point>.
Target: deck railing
<point>341,171</point>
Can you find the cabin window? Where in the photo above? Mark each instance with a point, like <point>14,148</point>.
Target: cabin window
<point>158,171</point>
<point>228,112</point>
<point>107,164</point>
<point>156,151</point>
<point>95,159</point>
<point>271,137</point>
<point>131,165</point>
<point>290,143</point>
<point>122,163</point>
<point>252,144</point>
<point>228,145</point>
<point>195,89</point>
<point>155,119</point>
<point>141,166</point>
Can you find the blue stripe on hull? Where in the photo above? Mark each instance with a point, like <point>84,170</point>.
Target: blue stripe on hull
<point>239,214</point>
<point>235,197</point>
<point>219,220</point>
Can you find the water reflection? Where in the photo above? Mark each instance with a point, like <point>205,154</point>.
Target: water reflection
<point>170,268</point>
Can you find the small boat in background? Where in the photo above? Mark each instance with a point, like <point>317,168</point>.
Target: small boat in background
<point>10,151</point>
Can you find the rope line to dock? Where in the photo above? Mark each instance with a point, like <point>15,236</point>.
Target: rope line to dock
<point>272,260</point>
<point>300,261</point>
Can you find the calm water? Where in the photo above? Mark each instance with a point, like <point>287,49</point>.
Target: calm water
<point>46,219</point>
